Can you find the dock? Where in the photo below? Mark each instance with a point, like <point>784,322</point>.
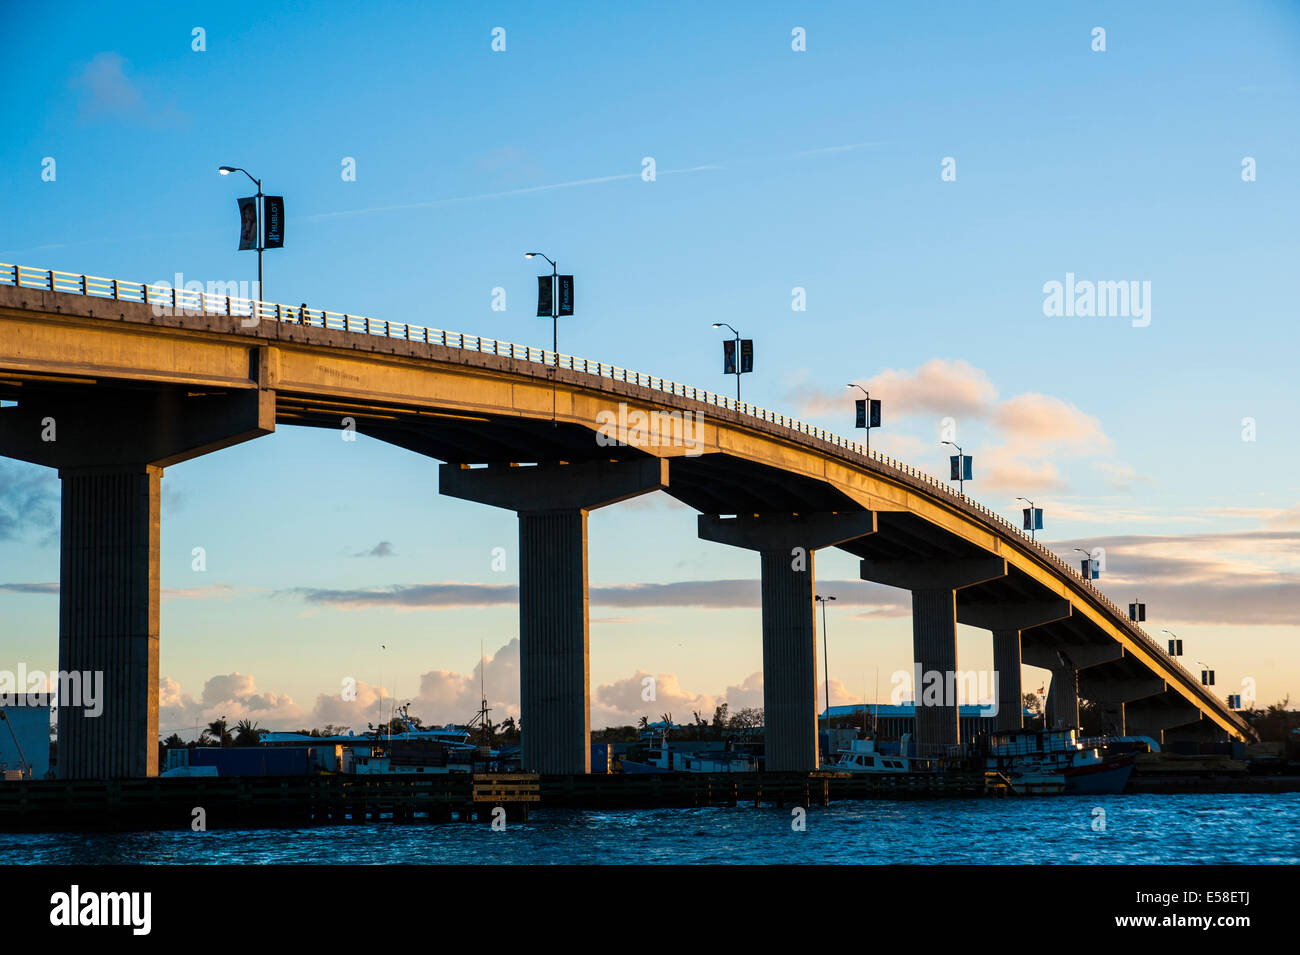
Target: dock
<point>247,802</point>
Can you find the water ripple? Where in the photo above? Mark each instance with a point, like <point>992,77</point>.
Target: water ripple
<point>1148,829</point>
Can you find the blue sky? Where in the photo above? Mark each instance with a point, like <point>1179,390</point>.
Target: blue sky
<point>776,169</point>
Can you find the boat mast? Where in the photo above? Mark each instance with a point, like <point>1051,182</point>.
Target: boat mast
<point>27,767</point>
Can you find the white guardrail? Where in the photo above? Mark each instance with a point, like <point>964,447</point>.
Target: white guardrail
<point>181,299</point>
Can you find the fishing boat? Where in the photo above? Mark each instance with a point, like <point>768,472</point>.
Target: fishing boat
<point>1056,761</point>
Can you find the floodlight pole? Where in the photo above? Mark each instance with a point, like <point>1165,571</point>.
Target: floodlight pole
<point>826,663</point>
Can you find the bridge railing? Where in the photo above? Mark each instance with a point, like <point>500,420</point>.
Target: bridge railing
<point>253,311</point>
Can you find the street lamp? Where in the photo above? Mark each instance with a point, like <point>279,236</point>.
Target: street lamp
<point>226,171</point>
<point>555,280</point>
<point>961,467</point>
<point>868,417</point>
<point>737,356</point>
<point>1090,570</point>
<point>1175,644</point>
<point>826,663</point>
<point>1033,517</point>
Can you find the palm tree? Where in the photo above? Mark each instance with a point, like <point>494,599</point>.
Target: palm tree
<point>248,733</point>
<point>643,722</point>
<point>219,733</point>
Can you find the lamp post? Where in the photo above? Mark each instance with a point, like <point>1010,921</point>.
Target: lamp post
<point>1088,574</point>
<point>961,468</point>
<point>226,171</point>
<point>868,422</point>
<point>555,290</point>
<point>737,356</point>
<point>1032,522</point>
<point>826,663</point>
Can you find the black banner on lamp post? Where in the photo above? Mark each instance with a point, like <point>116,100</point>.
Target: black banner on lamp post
<point>273,222</point>
<point>565,302</point>
<point>545,297</point>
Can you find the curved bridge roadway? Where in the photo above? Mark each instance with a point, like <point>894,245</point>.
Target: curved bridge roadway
<point>135,378</point>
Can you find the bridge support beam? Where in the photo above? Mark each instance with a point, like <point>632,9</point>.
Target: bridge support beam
<point>1067,664</point>
<point>1006,665</point>
<point>934,585</point>
<point>110,449</point>
<point>1203,730</point>
<point>1008,621</point>
<point>1113,694</point>
<point>1159,722</point>
<point>786,544</point>
<point>552,501</point>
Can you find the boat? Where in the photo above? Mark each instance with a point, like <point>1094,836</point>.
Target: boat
<point>863,757</point>
<point>662,758</point>
<point>416,751</point>
<point>1056,761</point>
<point>410,757</point>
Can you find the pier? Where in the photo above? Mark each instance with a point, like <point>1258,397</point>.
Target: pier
<point>297,801</point>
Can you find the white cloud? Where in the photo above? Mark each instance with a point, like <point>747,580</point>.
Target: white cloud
<point>940,387</point>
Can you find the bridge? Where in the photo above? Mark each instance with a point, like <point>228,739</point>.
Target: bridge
<point>115,381</point>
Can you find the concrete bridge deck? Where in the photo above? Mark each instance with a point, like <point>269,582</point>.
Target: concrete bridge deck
<point>138,379</point>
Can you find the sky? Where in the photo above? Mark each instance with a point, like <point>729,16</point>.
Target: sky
<point>888,204</point>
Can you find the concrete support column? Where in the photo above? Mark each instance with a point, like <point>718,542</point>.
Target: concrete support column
<point>108,622</point>
<point>786,545</point>
<point>1008,620</point>
<point>1063,698</point>
<point>1117,716</point>
<point>789,663</point>
<point>934,585</point>
<point>934,650</point>
<point>554,639</point>
<point>1006,664</point>
<point>552,501</point>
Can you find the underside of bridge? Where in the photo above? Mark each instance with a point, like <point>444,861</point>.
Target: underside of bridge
<point>111,432</point>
